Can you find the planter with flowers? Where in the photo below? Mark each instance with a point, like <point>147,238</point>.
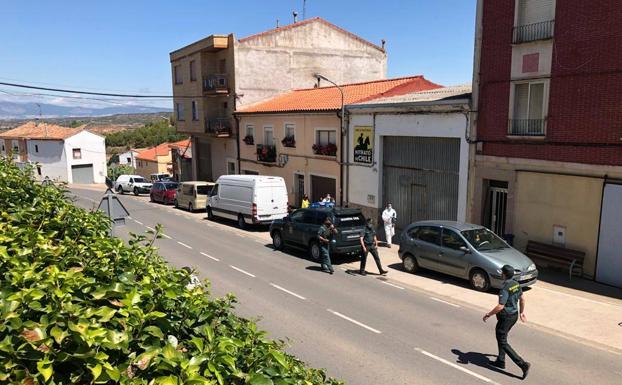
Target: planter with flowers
<point>329,149</point>
<point>289,141</point>
<point>248,139</point>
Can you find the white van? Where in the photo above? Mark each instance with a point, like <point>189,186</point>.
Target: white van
<point>248,199</point>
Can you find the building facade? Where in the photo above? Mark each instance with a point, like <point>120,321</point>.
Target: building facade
<point>181,160</point>
<point>128,158</point>
<point>548,124</point>
<point>412,151</point>
<point>219,74</point>
<point>154,160</point>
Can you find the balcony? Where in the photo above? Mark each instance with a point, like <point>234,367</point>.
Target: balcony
<point>526,127</point>
<point>533,32</point>
<point>219,127</point>
<point>266,153</point>
<point>329,149</point>
<point>216,83</point>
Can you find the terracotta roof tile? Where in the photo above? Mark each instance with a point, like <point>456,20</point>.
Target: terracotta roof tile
<point>153,152</point>
<point>42,131</point>
<point>329,98</point>
<point>182,144</point>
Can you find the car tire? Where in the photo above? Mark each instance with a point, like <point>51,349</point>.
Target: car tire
<point>241,222</point>
<point>314,251</point>
<point>190,208</point>
<point>120,190</point>
<point>410,263</point>
<point>151,199</point>
<point>479,280</point>
<point>210,214</point>
<point>277,240</point>
<point>136,192</point>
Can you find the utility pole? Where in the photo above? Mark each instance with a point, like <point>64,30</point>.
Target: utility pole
<point>304,9</point>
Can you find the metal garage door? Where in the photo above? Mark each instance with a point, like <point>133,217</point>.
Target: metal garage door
<point>82,174</point>
<point>321,186</point>
<point>609,261</point>
<point>420,177</point>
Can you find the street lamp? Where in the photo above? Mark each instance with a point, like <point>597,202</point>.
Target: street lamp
<point>321,77</point>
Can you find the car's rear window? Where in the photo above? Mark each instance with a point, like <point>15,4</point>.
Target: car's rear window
<point>171,186</point>
<point>350,220</point>
<point>204,190</point>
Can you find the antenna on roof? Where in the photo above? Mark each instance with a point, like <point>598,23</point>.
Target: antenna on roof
<point>277,23</point>
<point>383,43</point>
<point>295,16</point>
<point>304,9</point>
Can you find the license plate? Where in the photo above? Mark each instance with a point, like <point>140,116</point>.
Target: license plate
<point>526,277</point>
<point>353,236</point>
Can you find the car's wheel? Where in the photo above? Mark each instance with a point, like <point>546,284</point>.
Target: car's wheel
<point>479,280</point>
<point>151,199</point>
<point>119,190</point>
<point>314,251</point>
<point>136,192</point>
<point>210,214</point>
<point>190,208</point>
<point>277,240</point>
<point>241,222</point>
<point>410,263</point>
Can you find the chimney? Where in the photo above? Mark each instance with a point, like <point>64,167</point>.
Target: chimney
<point>277,23</point>
<point>383,43</point>
<point>295,16</point>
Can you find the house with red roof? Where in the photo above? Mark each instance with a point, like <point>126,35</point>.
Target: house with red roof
<point>298,136</point>
<point>154,160</point>
<point>219,74</point>
<point>181,157</point>
<point>64,154</point>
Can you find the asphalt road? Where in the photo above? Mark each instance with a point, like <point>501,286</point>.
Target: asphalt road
<point>364,330</point>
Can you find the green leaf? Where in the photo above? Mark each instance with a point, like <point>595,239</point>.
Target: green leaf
<point>279,357</point>
<point>154,331</point>
<point>58,334</point>
<point>168,380</point>
<point>113,373</point>
<point>260,379</point>
<point>96,371</point>
<point>169,352</point>
<point>45,368</point>
<point>198,342</point>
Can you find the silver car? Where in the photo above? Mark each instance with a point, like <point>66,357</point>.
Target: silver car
<point>463,250</point>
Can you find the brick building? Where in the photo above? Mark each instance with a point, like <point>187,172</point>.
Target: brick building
<point>547,121</point>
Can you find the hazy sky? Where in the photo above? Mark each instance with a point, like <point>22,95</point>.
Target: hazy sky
<point>118,45</point>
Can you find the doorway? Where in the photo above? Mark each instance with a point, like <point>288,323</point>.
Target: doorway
<point>609,259</point>
<point>299,182</point>
<point>496,206</point>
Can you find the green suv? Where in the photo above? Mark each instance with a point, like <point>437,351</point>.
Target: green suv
<point>299,229</point>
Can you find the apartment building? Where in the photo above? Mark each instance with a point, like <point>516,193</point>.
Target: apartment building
<point>219,74</point>
<point>547,164</point>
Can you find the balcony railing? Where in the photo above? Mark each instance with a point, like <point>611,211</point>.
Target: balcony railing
<point>532,32</point>
<point>266,153</point>
<point>216,83</point>
<point>220,127</point>
<point>526,127</point>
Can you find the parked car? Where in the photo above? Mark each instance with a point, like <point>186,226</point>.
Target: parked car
<point>163,192</point>
<point>299,229</point>
<point>193,195</point>
<point>132,183</point>
<point>160,177</point>
<point>463,250</point>
<point>248,199</point>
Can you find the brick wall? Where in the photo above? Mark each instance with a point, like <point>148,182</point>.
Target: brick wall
<point>585,106</point>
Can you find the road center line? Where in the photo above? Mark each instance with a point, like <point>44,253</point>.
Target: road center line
<point>287,291</point>
<point>390,284</point>
<point>455,366</point>
<point>210,257</point>
<point>166,236</point>
<point>150,228</point>
<point>354,321</point>
<point>184,245</point>
<point>242,271</point>
<point>445,302</point>
<point>139,222</point>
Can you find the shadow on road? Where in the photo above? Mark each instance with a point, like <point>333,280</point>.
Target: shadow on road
<point>479,359</point>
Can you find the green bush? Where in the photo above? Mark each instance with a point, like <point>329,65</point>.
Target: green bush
<point>78,307</point>
<point>120,169</point>
<point>149,135</point>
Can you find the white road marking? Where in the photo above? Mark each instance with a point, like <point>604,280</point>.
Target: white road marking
<point>129,217</point>
<point>445,302</point>
<point>210,257</point>
<point>390,284</point>
<point>139,222</point>
<point>150,228</point>
<point>184,245</point>
<point>166,236</point>
<point>456,366</point>
<point>354,321</point>
<point>242,271</point>
<point>287,291</point>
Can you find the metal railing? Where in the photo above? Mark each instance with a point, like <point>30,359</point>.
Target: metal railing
<point>220,127</point>
<point>526,127</point>
<point>266,153</point>
<point>216,82</point>
<point>532,32</point>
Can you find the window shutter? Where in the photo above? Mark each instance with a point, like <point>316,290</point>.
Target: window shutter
<point>536,101</point>
<point>521,100</point>
<point>535,11</point>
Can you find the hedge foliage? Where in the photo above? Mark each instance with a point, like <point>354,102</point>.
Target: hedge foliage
<point>78,307</point>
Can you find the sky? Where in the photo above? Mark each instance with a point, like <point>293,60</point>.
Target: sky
<point>123,46</point>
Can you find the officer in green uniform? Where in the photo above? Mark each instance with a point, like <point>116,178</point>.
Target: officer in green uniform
<point>369,244</point>
<point>325,234</point>
<point>507,312</point>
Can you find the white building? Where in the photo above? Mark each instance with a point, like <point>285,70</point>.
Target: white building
<point>410,150</point>
<point>64,154</point>
<point>129,158</point>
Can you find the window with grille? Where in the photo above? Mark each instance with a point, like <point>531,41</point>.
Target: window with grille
<point>528,112</point>
<point>179,108</point>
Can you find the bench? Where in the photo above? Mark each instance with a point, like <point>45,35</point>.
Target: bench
<point>558,256</point>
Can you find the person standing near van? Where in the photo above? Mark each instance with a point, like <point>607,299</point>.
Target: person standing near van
<point>369,244</point>
<point>305,202</point>
<point>325,235</point>
<point>389,217</point>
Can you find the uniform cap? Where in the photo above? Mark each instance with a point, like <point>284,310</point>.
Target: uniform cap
<point>508,271</point>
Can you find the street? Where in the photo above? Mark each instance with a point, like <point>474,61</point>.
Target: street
<point>363,330</point>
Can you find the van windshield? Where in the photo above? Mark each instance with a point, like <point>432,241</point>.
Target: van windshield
<point>204,190</point>
<point>350,220</point>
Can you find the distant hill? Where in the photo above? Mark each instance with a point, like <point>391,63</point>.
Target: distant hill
<point>12,110</point>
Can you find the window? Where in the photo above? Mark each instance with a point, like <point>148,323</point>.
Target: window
<point>214,191</point>
<point>179,107</point>
<point>484,239</point>
<point>36,148</point>
<point>429,234</point>
<point>128,160</point>
<point>231,168</point>
<point>534,20</point>
<point>268,136</point>
<point>77,153</point>
<point>204,189</point>
<point>289,139</point>
<point>250,130</point>
<point>195,112</point>
<point>298,216</point>
<point>177,74</point>
<point>325,137</point>
<point>451,240</point>
<point>193,74</point>
<point>3,147</point>
<point>528,112</point>
<point>310,217</point>
<point>188,189</point>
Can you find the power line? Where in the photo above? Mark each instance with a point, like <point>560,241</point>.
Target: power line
<point>21,81</point>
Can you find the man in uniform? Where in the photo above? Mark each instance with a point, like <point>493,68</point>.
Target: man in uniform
<point>507,312</point>
<point>369,243</point>
<point>325,234</point>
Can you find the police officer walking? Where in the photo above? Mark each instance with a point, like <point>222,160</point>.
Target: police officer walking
<point>507,312</point>
<point>369,244</point>
<point>325,235</point>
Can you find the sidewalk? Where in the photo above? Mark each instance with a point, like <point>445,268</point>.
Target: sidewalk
<point>574,313</point>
